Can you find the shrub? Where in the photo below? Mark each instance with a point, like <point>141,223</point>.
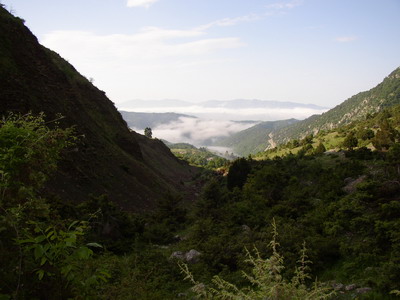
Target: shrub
<point>266,280</point>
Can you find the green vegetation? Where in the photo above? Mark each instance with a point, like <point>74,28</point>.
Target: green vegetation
<point>57,242</point>
<point>36,240</point>
<point>148,132</point>
<point>362,106</point>
<point>253,139</point>
<point>266,279</point>
<point>199,157</point>
<point>378,131</point>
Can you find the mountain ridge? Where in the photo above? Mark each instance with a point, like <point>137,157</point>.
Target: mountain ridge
<point>357,107</point>
<point>385,94</point>
<point>234,103</point>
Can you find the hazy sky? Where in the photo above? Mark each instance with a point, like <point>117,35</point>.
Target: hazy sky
<point>309,51</point>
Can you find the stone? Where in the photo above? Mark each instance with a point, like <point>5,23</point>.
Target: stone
<point>350,287</point>
<point>177,255</point>
<point>351,185</point>
<point>363,290</point>
<point>192,257</point>
<point>246,229</point>
<point>338,286</point>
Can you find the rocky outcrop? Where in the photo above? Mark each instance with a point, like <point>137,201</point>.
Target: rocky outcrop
<point>349,289</point>
<point>190,257</point>
<point>351,184</point>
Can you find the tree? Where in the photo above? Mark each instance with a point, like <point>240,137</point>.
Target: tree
<point>365,134</point>
<point>385,137</point>
<point>393,156</point>
<point>148,132</point>
<point>350,141</point>
<point>320,149</point>
<point>238,172</point>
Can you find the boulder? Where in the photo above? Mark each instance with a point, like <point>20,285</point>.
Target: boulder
<point>363,290</point>
<point>351,184</point>
<point>192,257</point>
<point>177,255</point>
<point>350,287</point>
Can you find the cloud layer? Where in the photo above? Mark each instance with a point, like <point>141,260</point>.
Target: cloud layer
<point>149,43</point>
<point>224,113</point>
<point>142,3</point>
<point>198,132</point>
<point>345,39</point>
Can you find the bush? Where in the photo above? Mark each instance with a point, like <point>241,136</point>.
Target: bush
<point>266,280</point>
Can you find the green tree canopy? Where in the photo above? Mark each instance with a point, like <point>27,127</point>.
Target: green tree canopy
<point>350,141</point>
<point>148,132</point>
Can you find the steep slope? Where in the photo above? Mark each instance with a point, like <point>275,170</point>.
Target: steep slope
<point>385,94</point>
<point>253,139</point>
<point>258,138</point>
<point>108,158</point>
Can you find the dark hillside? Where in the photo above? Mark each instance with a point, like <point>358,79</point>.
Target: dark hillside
<point>108,159</point>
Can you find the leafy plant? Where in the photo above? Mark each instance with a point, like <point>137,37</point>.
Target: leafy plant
<point>59,253</point>
<point>266,279</point>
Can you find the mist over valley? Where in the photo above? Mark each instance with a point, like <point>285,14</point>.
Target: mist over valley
<point>205,123</point>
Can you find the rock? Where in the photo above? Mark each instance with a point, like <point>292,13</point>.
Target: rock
<point>177,255</point>
<point>338,286</point>
<point>351,184</point>
<point>246,229</point>
<point>363,290</point>
<point>182,295</point>
<point>350,287</point>
<point>348,180</point>
<point>192,257</point>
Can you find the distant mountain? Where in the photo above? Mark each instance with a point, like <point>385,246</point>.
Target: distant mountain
<point>141,120</point>
<point>258,138</point>
<point>239,109</point>
<point>253,139</point>
<point>233,104</point>
<point>138,104</point>
<point>108,159</point>
<point>255,103</point>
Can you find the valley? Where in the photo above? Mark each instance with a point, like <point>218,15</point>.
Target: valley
<point>301,202</point>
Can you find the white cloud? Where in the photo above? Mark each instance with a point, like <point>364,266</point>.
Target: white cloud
<point>345,39</point>
<point>151,60</point>
<point>231,21</point>
<point>138,3</point>
<point>197,131</point>
<point>285,5</point>
<point>149,43</point>
<point>225,113</point>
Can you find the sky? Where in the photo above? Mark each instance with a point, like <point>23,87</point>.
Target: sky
<point>308,51</point>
